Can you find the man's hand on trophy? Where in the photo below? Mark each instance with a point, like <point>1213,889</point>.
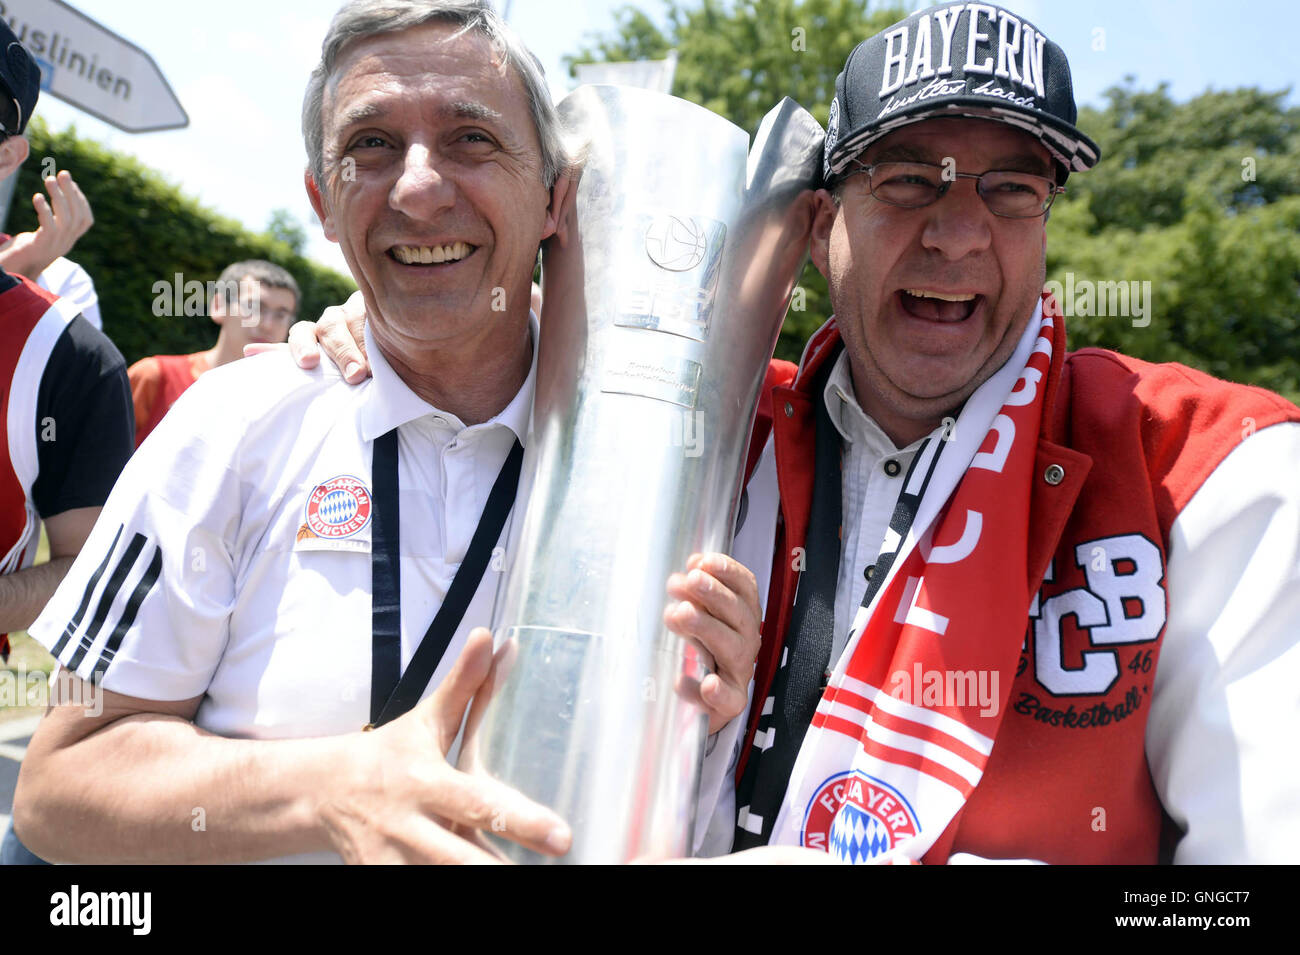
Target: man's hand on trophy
<point>718,607</point>
<point>401,798</point>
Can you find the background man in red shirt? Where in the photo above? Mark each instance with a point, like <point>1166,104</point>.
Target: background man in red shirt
<point>252,302</point>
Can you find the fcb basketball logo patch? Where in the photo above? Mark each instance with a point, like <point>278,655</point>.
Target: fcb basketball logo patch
<point>336,509</point>
<point>856,818</point>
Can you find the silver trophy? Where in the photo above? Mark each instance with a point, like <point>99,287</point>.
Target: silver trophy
<point>662,299</point>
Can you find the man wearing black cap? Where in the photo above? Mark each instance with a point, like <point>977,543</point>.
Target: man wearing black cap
<point>68,429</point>
<point>945,465</point>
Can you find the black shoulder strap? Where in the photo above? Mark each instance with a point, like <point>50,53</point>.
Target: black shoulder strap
<point>798,685</point>
<point>390,696</point>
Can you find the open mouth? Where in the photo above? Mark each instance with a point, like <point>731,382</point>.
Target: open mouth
<point>432,254</point>
<point>933,306</point>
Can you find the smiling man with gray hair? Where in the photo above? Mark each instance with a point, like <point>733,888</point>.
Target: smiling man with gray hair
<point>278,598</point>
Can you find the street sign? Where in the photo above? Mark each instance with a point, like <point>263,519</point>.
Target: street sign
<point>94,69</point>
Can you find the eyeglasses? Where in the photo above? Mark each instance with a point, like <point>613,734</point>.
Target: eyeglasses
<point>912,185</point>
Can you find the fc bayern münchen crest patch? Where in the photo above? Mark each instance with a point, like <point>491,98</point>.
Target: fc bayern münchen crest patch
<point>338,508</point>
<point>856,817</point>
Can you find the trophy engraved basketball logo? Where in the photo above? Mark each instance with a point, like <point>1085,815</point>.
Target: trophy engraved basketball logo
<point>676,243</point>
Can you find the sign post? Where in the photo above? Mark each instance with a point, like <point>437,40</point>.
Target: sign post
<point>90,67</point>
<point>94,69</point>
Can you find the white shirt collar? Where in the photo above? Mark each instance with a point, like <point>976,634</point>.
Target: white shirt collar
<point>855,425</point>
<point>388,402</point>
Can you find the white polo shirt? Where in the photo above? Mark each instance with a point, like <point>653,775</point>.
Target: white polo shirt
<point>211,582</point>
<point>202,575</point>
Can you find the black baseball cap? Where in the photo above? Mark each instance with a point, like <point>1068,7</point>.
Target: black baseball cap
<point>957,59</point>
<point>20,83</point>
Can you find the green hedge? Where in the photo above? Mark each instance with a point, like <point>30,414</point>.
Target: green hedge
<point>147,230</point>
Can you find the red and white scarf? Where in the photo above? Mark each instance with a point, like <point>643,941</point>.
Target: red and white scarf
<point>901,738</point>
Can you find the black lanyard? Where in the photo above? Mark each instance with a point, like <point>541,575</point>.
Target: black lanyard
<point>392,692</point>
<point>798,685</point>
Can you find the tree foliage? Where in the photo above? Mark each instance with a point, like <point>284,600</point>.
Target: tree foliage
<point>1201,199</point>
<point>146,231</point>
<point>284,226</point>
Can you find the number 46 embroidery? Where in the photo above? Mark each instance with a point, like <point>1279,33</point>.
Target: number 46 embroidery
<point>1100,609</point>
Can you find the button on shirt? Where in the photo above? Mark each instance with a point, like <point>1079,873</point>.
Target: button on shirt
<point>873,473</point>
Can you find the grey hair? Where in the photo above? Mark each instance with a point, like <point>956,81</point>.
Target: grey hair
<point>358,19</point>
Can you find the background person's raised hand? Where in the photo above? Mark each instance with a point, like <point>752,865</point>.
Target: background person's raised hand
<point>62,219</point>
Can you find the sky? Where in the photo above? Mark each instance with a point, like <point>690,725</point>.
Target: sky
<point>240,67</point>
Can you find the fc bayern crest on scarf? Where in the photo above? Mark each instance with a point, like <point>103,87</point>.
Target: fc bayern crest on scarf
<point>856,818</point>
<point>337,508</point>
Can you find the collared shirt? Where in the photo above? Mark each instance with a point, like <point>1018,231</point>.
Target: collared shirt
<point>873,473</point>
<point>211,573</point>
